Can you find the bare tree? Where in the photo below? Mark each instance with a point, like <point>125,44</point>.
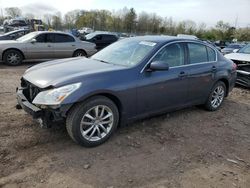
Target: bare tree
<point>13,12</point>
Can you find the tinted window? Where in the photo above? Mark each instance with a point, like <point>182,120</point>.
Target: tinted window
<point>50,37</point>
<point>197,53</point>
<point>63,38</point>
<point>109,37</point>
<point>172,54</point>
<point>41,38</point>
<point>211,54</point>
<point>98,37</point>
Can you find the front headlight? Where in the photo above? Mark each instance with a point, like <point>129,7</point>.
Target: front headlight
<point>55,96</point>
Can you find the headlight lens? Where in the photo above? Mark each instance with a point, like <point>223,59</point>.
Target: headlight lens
<point>55,96</point>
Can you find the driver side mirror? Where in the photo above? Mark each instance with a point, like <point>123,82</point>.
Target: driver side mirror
<point>158,66</point>
<point>33,41</point>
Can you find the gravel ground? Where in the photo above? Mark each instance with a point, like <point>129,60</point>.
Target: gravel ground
<point>187,148</point>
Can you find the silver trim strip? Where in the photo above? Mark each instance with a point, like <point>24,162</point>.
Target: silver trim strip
<point>216,59</point>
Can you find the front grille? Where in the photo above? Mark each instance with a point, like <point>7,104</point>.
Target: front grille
<point>30,91</point>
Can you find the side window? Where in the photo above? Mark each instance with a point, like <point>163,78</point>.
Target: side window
<point>41,38</point>
<point>59,38</point>
<point>98,37</point>
<point>172,54</point>
<point>197,53</point>
<point>211,54</point>
<point>50,37</point>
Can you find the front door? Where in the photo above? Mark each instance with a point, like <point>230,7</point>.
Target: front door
<point>164,90</point>
<point>41,49</point>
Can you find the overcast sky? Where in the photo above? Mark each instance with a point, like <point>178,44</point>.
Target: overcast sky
<point>207,11</point>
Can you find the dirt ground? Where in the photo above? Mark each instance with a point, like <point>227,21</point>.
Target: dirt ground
<point>188,148</point>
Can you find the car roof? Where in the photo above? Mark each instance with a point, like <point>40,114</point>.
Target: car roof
<point>163,38</point>
<point>54,32</point>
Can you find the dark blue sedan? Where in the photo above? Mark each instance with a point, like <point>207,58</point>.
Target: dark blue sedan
<point>131,79</point>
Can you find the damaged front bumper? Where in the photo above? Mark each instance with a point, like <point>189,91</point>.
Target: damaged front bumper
<point>46,115</point>
<point>243,75</point>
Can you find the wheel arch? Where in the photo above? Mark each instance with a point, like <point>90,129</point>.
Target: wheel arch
<point>108,95</point>
<point>80,49</point>
<point>12,49</point>
<point>226,82</point>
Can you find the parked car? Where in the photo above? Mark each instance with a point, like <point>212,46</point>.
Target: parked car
<point>44,45</point>
<point>15,24</point>
<point>221,44</point>
<point>13,35</point>
<point>231,47</point>
<point>130,79</point>
<point>101,39</point>
<point>213,44</point>
<point>85,30</point>
<point>242,59</point>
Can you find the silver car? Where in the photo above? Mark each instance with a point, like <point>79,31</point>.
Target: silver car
<point>44,45</point>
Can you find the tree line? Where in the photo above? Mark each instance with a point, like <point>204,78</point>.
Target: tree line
<point>128,21</point>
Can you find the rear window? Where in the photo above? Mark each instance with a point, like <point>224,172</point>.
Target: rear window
<point>211,54</point>
<point>60,38</point>
<point>197,53</point>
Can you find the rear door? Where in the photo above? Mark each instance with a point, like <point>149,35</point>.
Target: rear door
<point>64,45</point>
<point>201,72</point>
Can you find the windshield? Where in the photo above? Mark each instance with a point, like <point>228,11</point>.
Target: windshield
<point>27,37</point>
<point>126,52</point>
<point>90,36</point>
<point>245,50</point>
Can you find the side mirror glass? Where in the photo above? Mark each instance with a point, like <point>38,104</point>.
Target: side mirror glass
<point>158,66</point>
<point>33,41</point>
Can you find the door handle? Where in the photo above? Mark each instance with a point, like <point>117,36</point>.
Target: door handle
<point>49,45</point>
<point>73,45</point>
<point>214,69</point>
<point>182,74</point>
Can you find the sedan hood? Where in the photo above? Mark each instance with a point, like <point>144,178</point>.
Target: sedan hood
<point>238,56</point>
<point>57,73</point>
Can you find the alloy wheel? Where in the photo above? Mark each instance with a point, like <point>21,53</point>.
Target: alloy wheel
<point>217,96</point>
<point>13,58</point>
<point>97,123</point>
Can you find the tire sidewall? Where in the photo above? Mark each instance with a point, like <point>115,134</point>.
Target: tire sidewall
<point>79,113</point>
<point>209,105</point>
<point>12,51</point>
<point>79,51</point>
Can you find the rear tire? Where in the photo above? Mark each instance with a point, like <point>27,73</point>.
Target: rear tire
<point>79,53</point>
<point>216,97</point>
<point>92,122</point>
<point>13,57</point>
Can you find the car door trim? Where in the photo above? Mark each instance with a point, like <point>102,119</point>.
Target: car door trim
<point>186,41</point>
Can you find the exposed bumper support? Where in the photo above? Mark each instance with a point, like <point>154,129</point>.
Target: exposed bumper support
<point>27,106</point>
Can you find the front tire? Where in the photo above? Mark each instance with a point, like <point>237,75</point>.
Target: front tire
<point>216,97</point>
<point>13,57</point>
<point>92,122</point>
